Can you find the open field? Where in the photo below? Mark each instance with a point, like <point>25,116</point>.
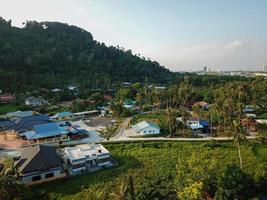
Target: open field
<point>154,167</point>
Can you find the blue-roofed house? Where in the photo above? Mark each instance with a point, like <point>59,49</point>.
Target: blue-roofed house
<point>20,114</point>
<point>5,124</point>
<point>47,132</point>
<point>19,125</point>
<point>204,123</point>
<point>63,116</point>
<point>194,125</point>
<point>146,128</point>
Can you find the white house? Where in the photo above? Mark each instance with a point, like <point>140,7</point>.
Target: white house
<point>56,90</point>
<point>249,109</point>
<point>34,101</point>
<point>86,158</point>
<point>146,128</point>
<point>70,87</point>
<point>194,124</point>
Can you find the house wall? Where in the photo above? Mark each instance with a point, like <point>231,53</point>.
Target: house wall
<point>150,130</point>
<point>27,178</point>
<point>192,123</point>
<point>87,166</point>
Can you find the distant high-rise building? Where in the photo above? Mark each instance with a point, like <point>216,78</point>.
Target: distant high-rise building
<point>264,68</point>
<point>209,69</point>
<point>205,69</point>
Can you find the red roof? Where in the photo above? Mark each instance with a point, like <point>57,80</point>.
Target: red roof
<point>201,103</point>
<point>7,97</point>
<point>108,97</point>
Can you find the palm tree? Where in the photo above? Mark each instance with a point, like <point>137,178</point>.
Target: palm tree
<point>126,191</point>
<point>239,135</point>
<point>171,120</point>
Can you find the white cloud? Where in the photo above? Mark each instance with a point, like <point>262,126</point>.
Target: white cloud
<point>234,44</point>
<point>222,56</point>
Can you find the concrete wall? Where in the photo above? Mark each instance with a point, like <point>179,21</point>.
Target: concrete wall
<point>150,130</point>
<point>27,178</point>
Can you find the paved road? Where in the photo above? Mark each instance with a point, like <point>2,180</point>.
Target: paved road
<point>121,132</point>
<point>123,139</point>
<point>121,136</point>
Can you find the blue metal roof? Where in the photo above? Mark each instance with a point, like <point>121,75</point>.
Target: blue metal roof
<point>4,124</point>
<point>26,123</point>
<point>63,114</point>
<point>144,124</point>
<point>20,114</point>
<point>204,123</point>
<point>46,130</point>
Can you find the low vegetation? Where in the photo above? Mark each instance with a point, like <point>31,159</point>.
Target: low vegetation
<point>169,170</point>
<point>8,108</point>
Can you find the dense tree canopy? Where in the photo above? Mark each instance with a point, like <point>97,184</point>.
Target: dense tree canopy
<point>50,54</point>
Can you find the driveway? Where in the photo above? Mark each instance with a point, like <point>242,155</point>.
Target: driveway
<point>93,135</point>
<point>121,135</point>
<point>100,122</point>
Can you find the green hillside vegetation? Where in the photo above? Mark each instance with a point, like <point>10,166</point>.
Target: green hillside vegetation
<point>169,170</point>
<point>53,54</point>
<point>50,54</point>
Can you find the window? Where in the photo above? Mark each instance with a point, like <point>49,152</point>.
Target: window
<point>149,131</point>
<point>49,175</point>
<point>36,178</point>
<point>80,165</point>
<point>103,160</point>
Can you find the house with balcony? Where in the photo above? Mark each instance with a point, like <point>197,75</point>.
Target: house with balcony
<point>86,158</point>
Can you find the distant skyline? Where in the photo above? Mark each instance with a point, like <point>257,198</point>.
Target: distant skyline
<point>179,34</point>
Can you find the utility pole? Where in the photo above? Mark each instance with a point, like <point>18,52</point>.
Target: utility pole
<point>211,125</point>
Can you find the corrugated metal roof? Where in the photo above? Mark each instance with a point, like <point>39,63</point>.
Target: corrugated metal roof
<point>46,130</point>
<point>144,124</point>
<point>20,114</point>
<point>62,114</point>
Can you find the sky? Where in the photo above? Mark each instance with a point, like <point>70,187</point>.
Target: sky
<point>179,34</point>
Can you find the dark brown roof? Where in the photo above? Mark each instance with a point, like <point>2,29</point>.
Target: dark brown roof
<point>37,158</point>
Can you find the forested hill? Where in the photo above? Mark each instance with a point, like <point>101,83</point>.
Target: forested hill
<point>51,54</point>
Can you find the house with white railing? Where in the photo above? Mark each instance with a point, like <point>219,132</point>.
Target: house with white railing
<point>86,158</point>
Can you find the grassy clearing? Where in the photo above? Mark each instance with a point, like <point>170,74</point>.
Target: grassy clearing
<point>153,165</point>
<point>5,108</point>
